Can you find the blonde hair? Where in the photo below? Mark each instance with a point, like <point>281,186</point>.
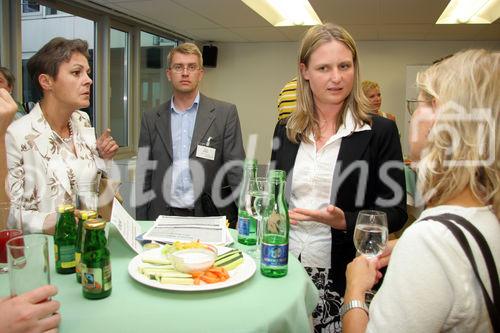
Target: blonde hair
<point>368,85</point>
<point>304,121</point>
<point>185,48</point>
<point>463,152</point>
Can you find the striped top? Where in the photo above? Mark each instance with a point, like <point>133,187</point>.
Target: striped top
<point>287,99</point>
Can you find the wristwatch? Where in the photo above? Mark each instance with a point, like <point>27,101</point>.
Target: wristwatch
<point>352,305</point>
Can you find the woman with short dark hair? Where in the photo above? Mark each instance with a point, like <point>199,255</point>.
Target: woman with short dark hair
<point>54,148</point>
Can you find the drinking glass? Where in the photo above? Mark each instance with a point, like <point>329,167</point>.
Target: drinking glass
<point>28,263</point>
<point>10,227</point>
<point>370,237</point>
<point>259,202</point>
<point>87,196</point>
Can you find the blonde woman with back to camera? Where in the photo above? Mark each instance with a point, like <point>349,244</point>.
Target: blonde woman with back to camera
<point>430,285</point>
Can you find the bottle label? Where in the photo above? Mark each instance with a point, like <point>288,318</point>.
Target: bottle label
<point>243,226</point>
<point>274,254</point>
<point>96,280</point>
<point>66,255</point>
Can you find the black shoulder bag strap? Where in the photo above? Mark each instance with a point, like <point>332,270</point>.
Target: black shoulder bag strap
<point>492,306</point>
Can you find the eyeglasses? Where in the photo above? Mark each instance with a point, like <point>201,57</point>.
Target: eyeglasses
<point>178,68</point>
<point>412,105</point>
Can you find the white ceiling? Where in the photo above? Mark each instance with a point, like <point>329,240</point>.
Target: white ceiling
<point>233,21</point>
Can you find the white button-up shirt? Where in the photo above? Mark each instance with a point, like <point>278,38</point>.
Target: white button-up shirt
<point>311,189</point>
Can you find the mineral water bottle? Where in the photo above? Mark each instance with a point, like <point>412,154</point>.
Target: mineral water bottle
<point>275,228</point>
<point>65,239</point>
<point>247,226</point>
<point>96,263</point>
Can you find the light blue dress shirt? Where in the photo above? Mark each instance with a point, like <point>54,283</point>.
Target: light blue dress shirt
<point>182,127</point>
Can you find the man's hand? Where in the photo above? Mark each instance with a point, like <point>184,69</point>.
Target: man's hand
<point>330,215</point>
<point>31,312</point>
<point>106,145</point>
<point>8,109</point>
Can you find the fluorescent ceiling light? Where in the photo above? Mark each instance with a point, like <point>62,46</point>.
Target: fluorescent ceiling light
<point>470,12</point>
<point>282,13</point>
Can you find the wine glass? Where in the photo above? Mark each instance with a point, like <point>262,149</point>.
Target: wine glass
<point>259,195</point>
<point>370,237</point>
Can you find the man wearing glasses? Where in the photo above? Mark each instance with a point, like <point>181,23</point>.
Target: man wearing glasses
<point>189,148</point>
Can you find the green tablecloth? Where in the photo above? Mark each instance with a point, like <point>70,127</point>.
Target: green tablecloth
<point>259,304</point>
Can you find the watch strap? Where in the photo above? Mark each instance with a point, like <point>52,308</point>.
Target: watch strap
<point>352,305</point>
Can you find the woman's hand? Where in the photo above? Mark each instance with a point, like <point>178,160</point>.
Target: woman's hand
<point>8,109</point>
<point>330,215</point>
<point>383,259</point>
<point>49,224</point>
<point>30,312</point>
<point>106,145</point>
<point>362,274</point>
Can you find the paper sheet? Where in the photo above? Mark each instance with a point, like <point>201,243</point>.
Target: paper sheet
<point>210,230</point>
<point>126,225</point>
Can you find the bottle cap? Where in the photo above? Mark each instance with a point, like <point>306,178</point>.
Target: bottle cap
<point>281,174</point>
<point>64,208</point>
<point>250,162</point>
<point>94,224</point>
<point>87,214</point>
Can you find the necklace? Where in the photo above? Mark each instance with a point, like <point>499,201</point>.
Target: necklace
<point>68,139</point>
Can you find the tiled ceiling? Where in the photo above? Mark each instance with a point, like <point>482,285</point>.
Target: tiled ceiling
<point>233,21</point>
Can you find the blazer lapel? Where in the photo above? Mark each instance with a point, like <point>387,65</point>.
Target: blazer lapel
<point>352,148</point>
<point>204,118</point>
<point>164,129</point>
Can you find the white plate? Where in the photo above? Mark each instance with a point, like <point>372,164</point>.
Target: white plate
<point>236,276</point>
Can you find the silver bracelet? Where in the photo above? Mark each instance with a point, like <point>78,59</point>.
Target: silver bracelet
<point>352,305</point>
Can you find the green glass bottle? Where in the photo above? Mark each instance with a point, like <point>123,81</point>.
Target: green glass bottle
<point>275,228</point>
<point>96,263</point>
<point>65,239</point>
<point>246,223</point>
<point>83,215</point>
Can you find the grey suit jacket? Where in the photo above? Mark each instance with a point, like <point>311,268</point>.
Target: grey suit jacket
<point>216,119</point>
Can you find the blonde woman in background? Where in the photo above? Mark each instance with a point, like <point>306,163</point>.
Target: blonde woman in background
<point>430,285</point>
<point>372,92</point>
<point>325,147</point>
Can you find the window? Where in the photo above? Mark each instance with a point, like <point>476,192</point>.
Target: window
<point>50,11</point>
<point>119,83</point>
<point>155,88</point>
<point>30,7</point>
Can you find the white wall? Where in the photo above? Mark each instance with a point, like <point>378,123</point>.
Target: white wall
<point>252,74</point>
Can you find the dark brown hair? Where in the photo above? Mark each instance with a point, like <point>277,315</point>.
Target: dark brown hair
<point>48,59</point>
<point>8,76</point>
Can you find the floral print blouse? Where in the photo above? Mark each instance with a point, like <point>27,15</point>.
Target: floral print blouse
<point>43,170</point>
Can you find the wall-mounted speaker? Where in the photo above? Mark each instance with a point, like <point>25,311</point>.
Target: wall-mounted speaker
<point>153,57</point>
<point>209,56</point>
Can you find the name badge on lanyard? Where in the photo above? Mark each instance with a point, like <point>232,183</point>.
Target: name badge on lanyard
<point>205,151</point>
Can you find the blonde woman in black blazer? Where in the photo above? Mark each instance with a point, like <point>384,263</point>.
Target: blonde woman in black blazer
<point>332,121</point>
